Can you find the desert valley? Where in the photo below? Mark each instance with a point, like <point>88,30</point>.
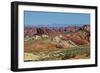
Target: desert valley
<point>56,43</point>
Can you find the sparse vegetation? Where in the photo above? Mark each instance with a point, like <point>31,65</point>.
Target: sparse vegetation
<point>61,54</point>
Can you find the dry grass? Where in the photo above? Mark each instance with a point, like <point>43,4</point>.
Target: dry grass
<point>61,54</point>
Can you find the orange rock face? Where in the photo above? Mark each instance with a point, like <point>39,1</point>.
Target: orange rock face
<point>40,46</point>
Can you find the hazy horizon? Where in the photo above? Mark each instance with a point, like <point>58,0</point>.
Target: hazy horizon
<point>54,25</point>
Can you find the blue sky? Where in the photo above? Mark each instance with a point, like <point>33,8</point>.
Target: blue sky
<point>34,18</point>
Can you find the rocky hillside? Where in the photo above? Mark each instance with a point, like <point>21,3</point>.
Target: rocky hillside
<point>56,38</point>
<point>74,33</point>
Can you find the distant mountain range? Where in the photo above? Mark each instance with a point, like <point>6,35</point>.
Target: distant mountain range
<point>54,25</point>
<point>30,30</point>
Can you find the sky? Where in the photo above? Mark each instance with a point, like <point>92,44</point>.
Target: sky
<point>55,19</point>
